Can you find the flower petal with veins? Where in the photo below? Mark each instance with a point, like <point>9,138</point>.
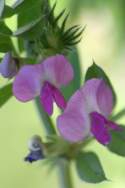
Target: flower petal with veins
<point>74,123</point>
<point>27,83</point>
<point>57,70</point>
<point>105,98</point>
<point>98,96</point>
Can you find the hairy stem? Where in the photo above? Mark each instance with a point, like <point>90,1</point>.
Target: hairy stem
<point>65,179</point>
<point>64,165</point>
<point>118,115</point>
<point>45,119</point>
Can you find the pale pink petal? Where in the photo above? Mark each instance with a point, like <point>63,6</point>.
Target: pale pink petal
<point>27,83</point>
<point>57,70</point>
<point>46,98</point>
<point>72,127</point>
<point>105,98</point>
<point>74,123</point>
<point>98,96</point>
<point>89,90</point>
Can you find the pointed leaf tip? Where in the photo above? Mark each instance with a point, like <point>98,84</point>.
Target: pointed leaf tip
<point>95,71</point>
<point>89,168</point>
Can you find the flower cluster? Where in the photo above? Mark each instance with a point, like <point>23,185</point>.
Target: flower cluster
<point>84,115</point>
<point>40,70</point>
<point>87,113</point>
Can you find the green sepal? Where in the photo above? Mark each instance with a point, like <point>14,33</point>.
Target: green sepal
<point>117,144</point>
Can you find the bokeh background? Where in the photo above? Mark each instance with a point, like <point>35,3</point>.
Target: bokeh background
<point>103,41</point>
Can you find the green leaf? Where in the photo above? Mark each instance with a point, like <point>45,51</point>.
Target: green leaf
<point>30,30</point>
<point>4,29</point>
<point>5,43</point>
<point>117,144</point>
<point>29,19</point>
<point>75,83</point>
<point>94,71</point>
<point>23,5</point>
<point>17,3</point>
<point>2,4</point>
<point>30,14</point>
<point>5,94</point>
<point>89,168</point>
<point>8,12</point>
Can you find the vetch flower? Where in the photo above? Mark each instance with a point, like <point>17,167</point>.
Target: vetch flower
<point>44,80</point>
<point>8,66</point>
<point>87,113</point>
<point>36,150</point>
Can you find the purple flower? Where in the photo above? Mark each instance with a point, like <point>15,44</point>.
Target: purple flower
<point>8,66</point>
<point>36,150</point>
<point>87,113</point>
<point>44,80</point>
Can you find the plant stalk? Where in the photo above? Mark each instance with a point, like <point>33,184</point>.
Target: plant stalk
<point>118,115</point>
<point>64,165</point>
<point>65,179</point>
<point>45,119</point>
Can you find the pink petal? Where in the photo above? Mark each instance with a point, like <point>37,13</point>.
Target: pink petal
<point>114,126</point>
<point>89,91</point>
<point>74,123</point>
<point>99,128</point>
<point>46,98</point>
<point>105,98</point>
<point>59,99</point>
<point>27,83</point>
<point>57,70</point>
<point>98,96</point>
<point>71,127</point>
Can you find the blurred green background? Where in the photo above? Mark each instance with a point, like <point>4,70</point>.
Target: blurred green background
<point>103,41</point>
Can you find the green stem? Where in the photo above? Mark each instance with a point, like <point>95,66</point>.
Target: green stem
<point>65,179</point>
<point>118,115</point>
<point>64,165</point>
<point>46,120</point>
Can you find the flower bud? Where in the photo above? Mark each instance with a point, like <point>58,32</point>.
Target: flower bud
<point>35,143</point>
<point>36,149</point>
<point>8,66</point>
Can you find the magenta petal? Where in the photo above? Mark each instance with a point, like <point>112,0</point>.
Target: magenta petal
<point>114,126</point>
<point>27,83</point>
<point>46,98</point>
<point>105,99</point>
<point>8,68</point>
<point>99,128</point>
<point>59,99</point>
<point>57,70</point>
